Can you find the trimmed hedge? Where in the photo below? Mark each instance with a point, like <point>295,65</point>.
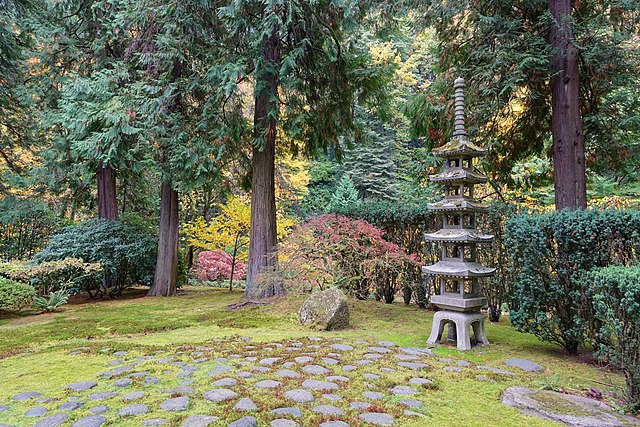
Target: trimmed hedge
<point>15,295</point>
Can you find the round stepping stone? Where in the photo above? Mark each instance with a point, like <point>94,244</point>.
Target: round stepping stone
<point>123,382</point>
<point>338,378</point>
<point>267,384</point>
<point>182,390</point>
<point>412,403</point>
<point>53,420</point>
<point>341,347</point>
<point>260,369</point>
<point>330,361</point>
<point>360,406</point>
<point>134,395</point>
<point>225,382</point>
<point>71,405</point>
<point>120,353</point>
<point>153,422</point>
<point>269,361</point>
<point>90,421</point>
<point>219,395</point>
<point>349,368</point>
<point>137,409</point>
<point>245,404</point>
<point>81,386</point>
<point>377,418</point>
<point>409,413</point>
<point>385,369</point>
<point>280,422</point>
<point>287,373</point>
<point>452,369</point>
<point>382,350</point>
<point>36,412</point>
<point>364,362</point>
<point>445,359</point>
<point>386,344</point>
<point>315,370</point>
<point>21,397</point>
<point>291,412</point>
<point>114,362</point>
<point>102,395</point>
<point>403,390</point>
<point>332,396</point>
<point>199,421</point>
<point>299,396</point>
<point>485,378</point>
<point>151,380</point>
<point>372,376</point>
<point>245,422</point>
<point>420,381</point>
<point>303,359</point>
<point>334,423</point>
<point>100,409</point>
<point>328,410</point>
<point>4,408</point>
<point>413,365</point>
<point>288,365</point>
<point>524,364</point>
<point>406,357</point>
<point>175,404</point>
<point>463,363</point>
<point>244,374</point>
<point>373,356</point>
<point>373,395</point>
<point>220,370</point>
<point>319,385</point>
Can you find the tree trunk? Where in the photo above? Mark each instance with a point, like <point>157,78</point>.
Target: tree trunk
<point>568,140</point>
<point>262,234</point>
<point>164,282</point>
<point>107,202</point>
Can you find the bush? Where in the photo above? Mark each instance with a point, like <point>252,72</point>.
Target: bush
<point>616,301</point>
<point>550,256</point>
<point>55,300</point>
<point>127,254</point>
<point>70,274</point>
<point>15,295</point>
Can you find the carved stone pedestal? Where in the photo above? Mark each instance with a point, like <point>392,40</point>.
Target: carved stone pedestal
<point>463,323</point>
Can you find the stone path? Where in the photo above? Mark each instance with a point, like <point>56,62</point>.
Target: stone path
<point>314,381</point>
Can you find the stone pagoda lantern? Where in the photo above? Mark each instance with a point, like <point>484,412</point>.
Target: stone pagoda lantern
<point>458,271</point>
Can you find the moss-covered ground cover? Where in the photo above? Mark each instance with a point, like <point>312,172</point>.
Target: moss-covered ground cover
<point>47,352</point>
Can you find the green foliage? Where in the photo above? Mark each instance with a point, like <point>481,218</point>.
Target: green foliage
<point>550,255</point>
<point>127,255</point>
<point>55,300</point>
<point>616,300</point>
<point>69,274</point>
<point>345,197</point>
<point>14,295</point>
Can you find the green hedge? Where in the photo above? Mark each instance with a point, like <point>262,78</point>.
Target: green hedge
<point>15,295</point>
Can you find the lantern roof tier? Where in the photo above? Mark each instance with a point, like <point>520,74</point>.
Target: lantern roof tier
<point>461,204</point>
<point>461,269</point>
<point>458,235</point>
<point>458,174</point>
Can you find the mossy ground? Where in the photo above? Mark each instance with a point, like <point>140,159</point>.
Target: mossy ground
<point>37,351</point>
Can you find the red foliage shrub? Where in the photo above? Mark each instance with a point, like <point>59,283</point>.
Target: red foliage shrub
<point>216,265</point>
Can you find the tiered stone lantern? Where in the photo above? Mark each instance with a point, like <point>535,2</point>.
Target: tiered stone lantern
<point>458,271</point>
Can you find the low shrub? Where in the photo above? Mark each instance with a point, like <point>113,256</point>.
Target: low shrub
<point>52,302</point>
<point>616,301</point>
<point>15,295</point>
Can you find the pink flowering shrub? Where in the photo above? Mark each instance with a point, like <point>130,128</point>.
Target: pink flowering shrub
<point>334,250</point>
<point>216,265</point>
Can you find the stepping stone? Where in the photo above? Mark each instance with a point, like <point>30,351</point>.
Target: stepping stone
<point>524,364</point>
<point>175,404</point>
<point>409,413</point>
<point>463,363</point>
<point>120,353</point>
<point>287,373</point>
<point>260,369</point>
<point>182,390</point>
<point>385,369</point>
<point>360,406</point>
<point>21,397</point>
<point>299,396</point>
<point>134,395</point>
<point>373,356</point>
<point>377,418</point>
<point>328,410</point>
<point>244,374</point>
<point>420,381</point>
<point>373,395</point>
<point>291,412</point>
<point>4,408</point>
<point>267,384</point>
<point>315,370</point>
<point>386,344</point>
<point>71,405</point>
<point>245,422</point>
<point>269,361</point>
<point>288,365</point>
<point>334,423</point>
<point>144,357</point>
<point>114,362</point>
<point>153,422</point>
<point>332,396</point>
<point>303,359</point>
<point>188,381</point>
<point>225,382</point>
<point>452,369</point>
<point>151,380</point>
<point>137,409</point>
<point>219,395</point>
<point>416,351</point>
<point>445,359</point>
<point>341,347</point>
<point>372,376</point>
<point>319,385</point>
<point>36,412</point>
<point>100,409</point>
<point>90,421</point>
<point>245,404</point>
<point>53,420</point>
<point>364,362</point>
<point>220,370</point>
<point>44,400</point>
<point>199,421</point>
<point>123,382</point>
<point>406,357</point>
<point>496,370</point>
<point>403,390</point>
<point>412,403</point>
<point>338,378</point>
<point>102,395</point>
<point>381,350</point>
<point>81,386</point>
<point>283,423</point>
<point>330,361</point>
<point>485,378</point>
<point>413,365</point>
<point>349,368</point>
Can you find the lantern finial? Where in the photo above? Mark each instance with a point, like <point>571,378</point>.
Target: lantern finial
<point>459,132</point>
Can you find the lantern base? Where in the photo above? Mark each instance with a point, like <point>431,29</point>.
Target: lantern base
<point>462,322</point>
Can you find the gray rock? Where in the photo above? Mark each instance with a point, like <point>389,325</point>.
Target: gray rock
<point>123,382</point>
<point>452,369</point>
<point>151,380</point>
<point>319,385</point>
<point>225,382</point>
<point>409,413</point>
<point>102,395</point>
<point>338,378</point>
<point>332,396</point>
<point>283,423</point>
<point>4,408</point>
<point>154,422</point>
<point>220,370</point>
<point>219,395</point>
<point>245,404</point>
<point>245,422</point>
<point>90,421</point>
<point>416,351</point>
<point>269,361</point>
<point>375,356</point>
<point>386,344</point>
<point>315,369</point>
<point>412,403</point>
<point>371,376</point>
<point>420,381</point>
<point>98,410</point>
<point>328,410</point>
<point>53,420</point>
<point>349,368</point>
<point>485,378</point>
<point>406,357</point>
<point>81,386</point>
<point>260,369</point>
<point>377,418</point>
<point>413,365</point>
<point>134,395</point>
<point>175,404</point>
<point>71,405</point>
<point>360,406</point>
<point>137,409</point>
<point>199,421</point>
<point>364,362</point>
<point>291,412</point>
<point>114,362</point>
<point>244,374</point>
<point>326,310</point>
<point>495,370</point>
<point>445,359</point>
<point>21,397</point>
<point>287,373</point>
<point>373,395</point>
<point>299,396</point>
<point>36,412</point>
<point>463,363</point>
<point>341,347</point>
<point>381,350</point>
<point>525,365</point>
<point>303,359</point>
<point>267,384</point>
<point>182,390</point>
<point>403,390</point>
<point>120,353</point>
<point>330,361</point>
<point>334,423</point>
<point>571,410</point>
<point>385,369</point>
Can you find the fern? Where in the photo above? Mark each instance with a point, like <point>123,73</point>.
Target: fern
<point>55,300</point>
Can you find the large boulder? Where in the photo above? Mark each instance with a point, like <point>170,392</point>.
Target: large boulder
<point>326,310</point>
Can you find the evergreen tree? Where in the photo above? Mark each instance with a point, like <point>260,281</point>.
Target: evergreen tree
<point>345,197</point>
